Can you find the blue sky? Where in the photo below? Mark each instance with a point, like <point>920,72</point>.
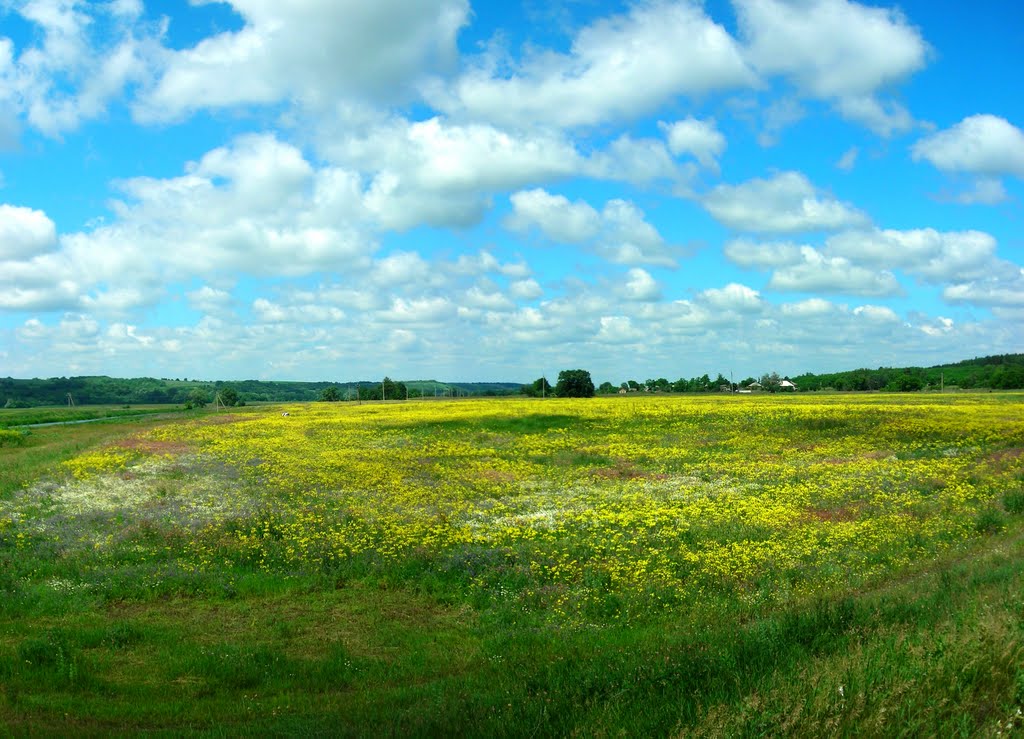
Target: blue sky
<point>335,189</point>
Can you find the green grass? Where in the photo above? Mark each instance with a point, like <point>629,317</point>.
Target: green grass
<point>938,653</point>
<point>141,645</point>
<point>10,417</point>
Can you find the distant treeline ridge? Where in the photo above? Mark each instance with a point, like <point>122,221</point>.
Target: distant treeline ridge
<point>1000,372</point>
<point>101,390</point>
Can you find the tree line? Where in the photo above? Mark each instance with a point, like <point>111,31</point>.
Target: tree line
<point>999,372</point>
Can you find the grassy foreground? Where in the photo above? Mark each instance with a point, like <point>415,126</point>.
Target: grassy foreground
<point>666,566</point>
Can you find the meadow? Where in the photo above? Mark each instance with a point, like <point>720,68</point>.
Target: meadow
<point>655,565</point>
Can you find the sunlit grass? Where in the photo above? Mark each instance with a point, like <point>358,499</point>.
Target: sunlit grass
<point>681,557</point>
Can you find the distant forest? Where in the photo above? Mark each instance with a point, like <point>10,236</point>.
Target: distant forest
<point>1001,372</point>
<point>100,390</point>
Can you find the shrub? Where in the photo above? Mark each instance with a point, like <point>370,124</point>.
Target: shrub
<point>12,438</point>
<point>990,521</point>
<point>1013,501</point>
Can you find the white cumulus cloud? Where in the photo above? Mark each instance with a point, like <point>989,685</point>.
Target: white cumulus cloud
<point>836,50</point>
<point>979,144</point>
<point>836,275</point>
<point>698,138</point>
<point>619,67</point>
<point>315,51</point>
<point>931,255</point>
<point>25,232</point>
<point>641,286</point>
<point>785,203</point>
<point>619,232</point>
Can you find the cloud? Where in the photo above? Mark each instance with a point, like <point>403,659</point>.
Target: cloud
<point>930,255</point>
<point>810,308</point>
<point>778,115</point>
<point>641,286</point>
<point>418,311</point>
<point>487,297</point>
<point>209,299</point>
<point>836,50</point>
<point>556,217</point>
<point>876,313</point>
<point>884,118</point>
<point>700,139</point>
<point>983,191</point>
<point>639,162</point>
<point>732,297</point>
<point>629,239</point>
<point>526,289</point>
<point>979,144</point>
<point>617,68</point>
<point>835,275</point>
<point>400,269</point>
<point>758,255</point>
<point>25,233</point>
<point>1004,290</point>
<point>56,295</point>
<point>619,233</point>
<point>120,301</point>
<point>84,56</point>
<point>253,207</point>
<point>442,174</point>
<point>484,262</point>
<point>848,160</point>
<point>620,330</point>
<point>315,52</point>
<point>267,311</point>
<point>786,203</point>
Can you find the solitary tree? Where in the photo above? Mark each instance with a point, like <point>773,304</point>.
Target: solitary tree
<point>197,399</point>
<point>229,396</point>
<point>574,384</point>
<point>330,394</point>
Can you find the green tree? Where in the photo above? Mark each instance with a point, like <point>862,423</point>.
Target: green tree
<point>229,396</point>
<point>607,388</point>
<point>538,388</point>
<point>771,382</point>
<point>197,399</point>
<point>330,394</point>
<point>574,384</point>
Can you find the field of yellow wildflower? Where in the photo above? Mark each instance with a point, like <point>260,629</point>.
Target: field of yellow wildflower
<point>611,507</point>
<point>588,518</point>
